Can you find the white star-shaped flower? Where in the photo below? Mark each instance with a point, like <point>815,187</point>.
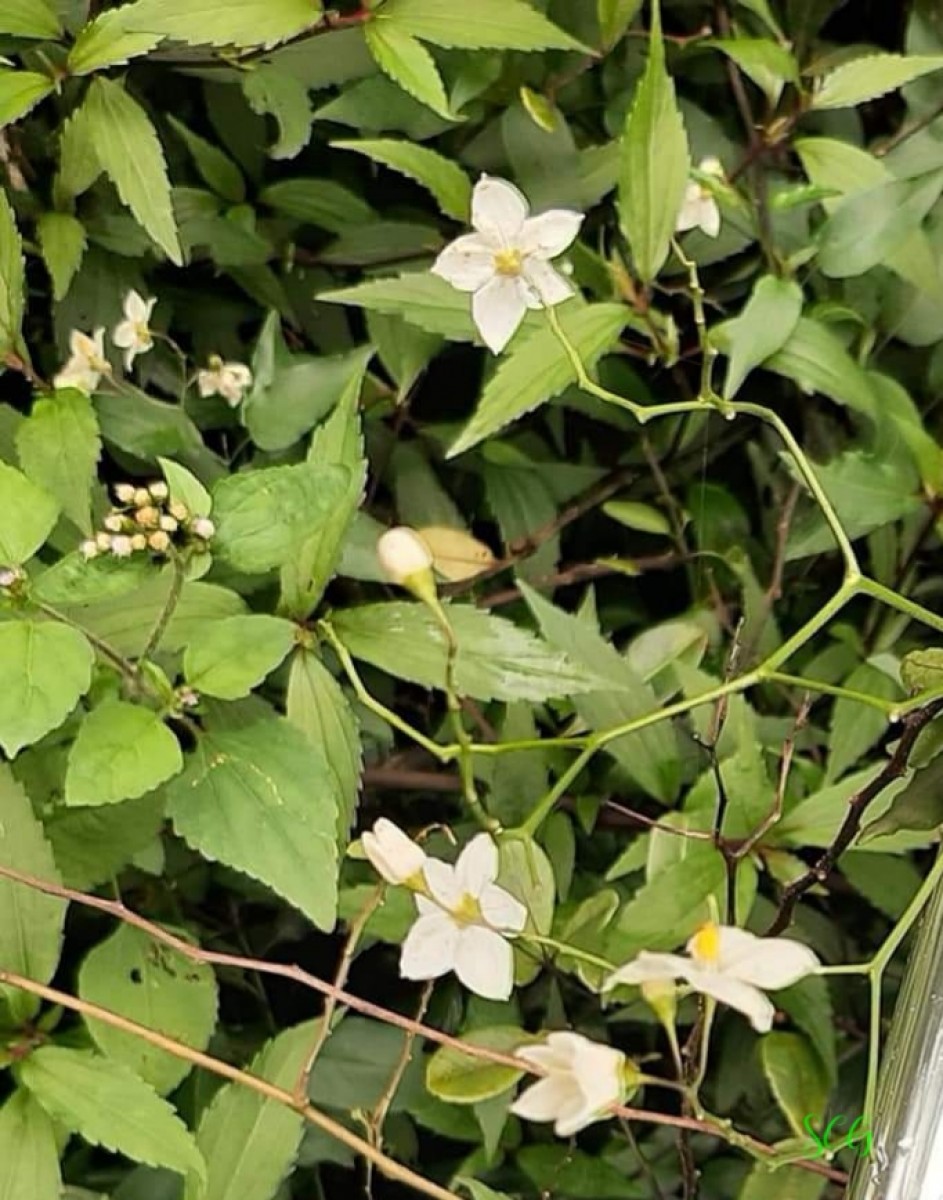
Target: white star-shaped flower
<point>505,263</point>
<point>730,965</point>
<point>582,1080</point>
<point>393,854</point>
<point>464,922</point>
<point>699,209</point>
<point>87,362</point>
<point>133,334</point>
<point>227,379</point>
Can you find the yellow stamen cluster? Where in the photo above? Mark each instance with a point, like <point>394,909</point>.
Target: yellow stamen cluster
<point>508,262</point>
<point>146,520</point>
<point>705,945</point>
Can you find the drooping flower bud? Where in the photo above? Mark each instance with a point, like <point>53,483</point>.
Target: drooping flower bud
<point>407,561</point>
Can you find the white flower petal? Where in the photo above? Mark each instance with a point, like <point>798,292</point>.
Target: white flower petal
<point>430,947</point>
<point>549,234</point>
<point>765,962</point>
<point>598,1071</point>
<point>484,962</point>
<point>392,853</point>
<point>477,865</point>
<point>574,1116</point>
<point>710,217</point>
<point>736,994</point>
<point>543,1100</point>
<point>443,882</point>
<point>498,210</point>
<point>136,308</point>
<point>497,310</point>
<point>125,335</point>
<point>690,215</point>
<point>546,1056</point>
<point>502,910</point>
<point>467,263</point>
<point>650,966</point>
<point>549,285</point>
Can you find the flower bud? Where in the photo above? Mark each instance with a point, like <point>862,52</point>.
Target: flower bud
<point>114,522</point>
<point>661,997</point>
<point>148,516</point>
<point>407,561</point>
<point>139,542</point>
<point>9,576</point>
<point>89,549</point>
<point>103,541</point>
<point>178,510</point>
<point>169,524</point>
<point>159,491</point>
<point>203,528</point>
<point>394,855</point>
<point>121,546</point>
<point>141,497</point>
<point>159,542</point>
<point>124,492</point>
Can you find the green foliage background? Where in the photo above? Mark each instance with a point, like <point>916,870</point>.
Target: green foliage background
<point>281,178</point>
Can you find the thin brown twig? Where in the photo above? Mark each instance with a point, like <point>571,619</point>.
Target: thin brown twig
<point>581,573</point>
<point>785,765</point>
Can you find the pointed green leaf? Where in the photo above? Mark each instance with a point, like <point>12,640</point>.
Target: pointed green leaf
<point>92,845</point>
<point>185,488</point>
<point>237,22</point>
<point>317,706</point>
<point>501,24</point>
<point>130,154</point>
<point>29,1154</point>
<point>216,168</point>
<point>232,657</point>
<point>409,64</point>
<point>655,163</point>
<point>262,799</point>
<point>870,76</point>
<point>30,921</point>
<point>59,448</point>
<point>20,92</point>
<point>272,91</point>
<point>614,17</point>
<point>537,368</point>
<point>817,361</point>
<point>12,282</point>
<point>29,515</point>
<point>763,327</point>
<point>29,18</point>
<point>108,42</point>
<point>464,1079</point>
<point>445,179</point>
<point>108,1105</point>
<point>121,752</point>
<point>320,202</point>
<point>62,241</point>
<point>47,668</point>
<point>796,1077</point>
<point>131,974</point>
<point>417,297</point>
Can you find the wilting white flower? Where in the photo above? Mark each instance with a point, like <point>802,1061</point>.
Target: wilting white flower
<point>394,855</point>
<point>226,379</point>
<point>87,362</point>
<point>403,554</point>
<point>699,209</point>
<point>582,1080</point>
<point>505,263</point>
<point>463,923</point>
<point>729,964</point>
<point>133,334</point>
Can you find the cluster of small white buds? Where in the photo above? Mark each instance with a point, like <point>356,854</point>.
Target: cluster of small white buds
<point>145,519</point>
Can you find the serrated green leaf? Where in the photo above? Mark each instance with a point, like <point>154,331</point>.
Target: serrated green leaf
<point>12,281</point>
<point>91,845</point>
<point>62,241</point>
<point>445,179</point>
<point>496,660</point>
<point>128,149</point>
<point>79,165</point>
<point>464,1079</point>
<point>917,806</point>
<point>230,659</point>
<point>274,92</point>
<point>817,361</point>
<point>108,42</point>
<point>409,64</point>
<point>29,512</point>
<point>655,163</point>
<point>501,24</point>
<point>763,327</point>
<point>250,1143</point>
<point>262,799</point>
<point>537,368</point>
<point>316,705</point>
<point>320,202</point>
<point>108,1105</point>
<point>264,517</point>
<point>870,76</point>
<point>418,297</point>
<point>615,17</point>
<point>20,92</point>
<point>921,670</point>
<point>237,23</point>
<point>29,1154</point>
<point>855,727</point>
<point>796,1077</point>
<point>30,921</point>
<point>121,752</point>
<point>766,62</point>
<point>216,168</point>
<point>131,974</point>
<point>47,668</point>
<point>185,488</point>
<point>29,18</point>
<point>59,447</point>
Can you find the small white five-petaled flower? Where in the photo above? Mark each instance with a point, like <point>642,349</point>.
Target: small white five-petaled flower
<point>730,965</point>
<point>87,362</point>
<point>394,855</point>
<point>227,379</point>
<point>582,1080</point>
<point>505,263</point>
<point>133,334</point>
<point>699,209</point>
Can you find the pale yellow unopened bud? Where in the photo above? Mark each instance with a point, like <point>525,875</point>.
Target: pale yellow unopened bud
<point>103,541</point>
<point>407,560</point>
<point>159,491</point>
<point>178,510</point>
<point>139,542</point>
<point>203,528</point>
<point>125,492</point>
<point>169,524</point>
<point>141,497</point>
<point>159,541</point>
<point>121,546</point>
<point>114,522</point>
<point>89,549</point>
<point>148,516</point>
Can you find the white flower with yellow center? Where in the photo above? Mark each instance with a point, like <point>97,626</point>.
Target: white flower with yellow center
<point>505,263</point>
<point>464,922</point>
<point>133,334</point>
<point>227,379</point>
<point>394,855</point>
<point>699,209</point>
<point>582,1080</point>
<point>730,965</point>
<point>87,362</point>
